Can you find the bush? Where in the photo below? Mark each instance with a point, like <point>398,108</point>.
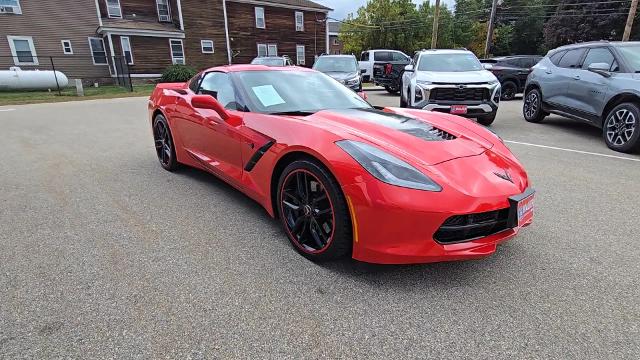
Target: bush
<point>178,73</point>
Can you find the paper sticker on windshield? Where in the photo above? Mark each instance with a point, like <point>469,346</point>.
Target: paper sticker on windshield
<point>267,95</point>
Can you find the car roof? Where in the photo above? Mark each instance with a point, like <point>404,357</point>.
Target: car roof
<point>338,56</point>
<point>596,43</point>
<point>252,67</point>
<point>445,51</point>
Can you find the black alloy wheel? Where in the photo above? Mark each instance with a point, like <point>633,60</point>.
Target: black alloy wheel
<point>509,90</point>
<point>313,211</point>
<point>164,143</point>
<point>621,129</point>
<point>532,106</point>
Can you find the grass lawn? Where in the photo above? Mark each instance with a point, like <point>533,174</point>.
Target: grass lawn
<point>69,94</point>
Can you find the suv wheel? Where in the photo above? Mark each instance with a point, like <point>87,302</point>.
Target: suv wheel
<point>509,90</point>
<point>532,106</point>
<point>621,128</point>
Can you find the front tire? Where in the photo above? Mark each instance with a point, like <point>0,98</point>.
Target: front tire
<point>391,90</point>
<point>532,106</point>
<point>621,130</point>
<point>313,211</point>
<point>509,90</point>
<point>487,119</point>
<point>165,149</point>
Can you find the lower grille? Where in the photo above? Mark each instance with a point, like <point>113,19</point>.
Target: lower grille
<point>460,228</point>
<point>459,94</point>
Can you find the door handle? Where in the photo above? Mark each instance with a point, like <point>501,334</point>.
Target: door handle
<point>576,77</point>
<point>212,123</point>
<point>548,72</point>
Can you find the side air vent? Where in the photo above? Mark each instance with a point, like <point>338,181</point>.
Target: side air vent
<point>429,133</point>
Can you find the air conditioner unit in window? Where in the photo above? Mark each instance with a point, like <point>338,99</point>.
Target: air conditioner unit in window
<point>6,10</point>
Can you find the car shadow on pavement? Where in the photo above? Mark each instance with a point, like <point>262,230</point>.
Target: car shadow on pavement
<point>570,126</point>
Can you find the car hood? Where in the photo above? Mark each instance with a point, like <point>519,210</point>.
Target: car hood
<point>422,140</point>
<point>342,75</point>
<point>456,77</point>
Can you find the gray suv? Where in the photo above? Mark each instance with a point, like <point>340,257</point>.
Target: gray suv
<point>595,82</point>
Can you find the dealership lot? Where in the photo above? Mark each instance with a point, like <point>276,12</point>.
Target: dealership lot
<point>104,254</point>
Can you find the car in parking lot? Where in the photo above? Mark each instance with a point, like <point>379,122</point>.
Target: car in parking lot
<point>512,72</point>
<point>595,82</point>
<point>370,57</point>
<point>344,178</point>
<point>343,68</point>
<point>272,61</point>
<point>451,81</point>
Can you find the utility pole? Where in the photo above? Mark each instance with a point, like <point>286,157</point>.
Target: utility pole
<point>487,44</point>
<point>434,33</point>
<point>632,15</point>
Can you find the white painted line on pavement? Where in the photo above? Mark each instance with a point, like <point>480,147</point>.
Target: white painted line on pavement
<point>1,110</point>
<point>571,150</point>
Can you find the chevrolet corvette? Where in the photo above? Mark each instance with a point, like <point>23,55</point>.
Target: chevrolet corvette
<point>382,185</point>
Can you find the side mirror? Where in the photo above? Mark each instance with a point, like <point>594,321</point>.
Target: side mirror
<point>362,71</point>
<point>208,102</point>
<point>363,95</point>
<point>487,66</point>
<point>408,68</point>
<point>600,68</point>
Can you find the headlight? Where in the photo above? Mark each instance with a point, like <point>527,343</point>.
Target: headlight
<point>387,168</point>
<point>493,82</point>
<point>422,82</point>
<point>353,81</point>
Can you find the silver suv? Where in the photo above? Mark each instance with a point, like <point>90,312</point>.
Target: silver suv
<point>596,82</point>
<point>452,81</point>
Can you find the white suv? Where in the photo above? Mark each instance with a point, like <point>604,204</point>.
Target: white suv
<point>451,81</point>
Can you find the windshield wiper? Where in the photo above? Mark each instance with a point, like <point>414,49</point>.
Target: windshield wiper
<point>294,113</point>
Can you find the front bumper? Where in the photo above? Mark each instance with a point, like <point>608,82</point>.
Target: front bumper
<point>394,225</point>
<point>422,98</point>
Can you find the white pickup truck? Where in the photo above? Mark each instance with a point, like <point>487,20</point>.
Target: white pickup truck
<point>367,58</point>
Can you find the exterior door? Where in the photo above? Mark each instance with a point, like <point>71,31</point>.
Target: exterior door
<point>218,142</point>
<point>589,88</point>
<point>567,71</point>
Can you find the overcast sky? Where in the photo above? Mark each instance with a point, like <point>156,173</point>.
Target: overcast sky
<point>344,7</point>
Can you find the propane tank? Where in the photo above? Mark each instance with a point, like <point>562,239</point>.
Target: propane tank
<point>18,79</point>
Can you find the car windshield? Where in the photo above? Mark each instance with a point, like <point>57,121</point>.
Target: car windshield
<point>268,61</point>
<point>449,62</point>
<point>303,92</point>
<point>632,56</point>
<point>335,64</point>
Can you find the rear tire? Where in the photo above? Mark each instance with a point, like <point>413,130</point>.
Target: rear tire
<point>621,128</point>
<point>391,90</point>
<point>509,90</point>
<point>532,106</point>
<point>314,232</point>
<point>487,119</point>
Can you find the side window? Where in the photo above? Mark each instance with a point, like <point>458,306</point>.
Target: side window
<point>399,57</point>
<point>364,56</point>
<point>415,59</point>
<point>571,58</point>
<point>615,67</point>
<point>598,55</point>
<point>195,83</point>
<point>219,86</point>
<point>555,58</point>
<point>382,56</point>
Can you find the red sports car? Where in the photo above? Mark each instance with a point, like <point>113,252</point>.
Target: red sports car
<point>390,185</point>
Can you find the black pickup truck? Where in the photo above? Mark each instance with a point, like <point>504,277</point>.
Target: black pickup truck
<point>387,72</point>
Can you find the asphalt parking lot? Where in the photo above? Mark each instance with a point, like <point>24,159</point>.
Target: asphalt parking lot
<point>105,255</point>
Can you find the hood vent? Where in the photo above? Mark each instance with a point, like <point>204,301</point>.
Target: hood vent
<point>432,134</point>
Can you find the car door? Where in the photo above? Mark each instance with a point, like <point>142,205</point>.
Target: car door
<point>217,143</point>
<point>366,64</point>
<point>523,68</point>
<point>561,77</point>
<point>588,89</point>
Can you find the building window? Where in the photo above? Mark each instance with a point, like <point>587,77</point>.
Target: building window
<point>113,9</point>
<point>10,7</point>
<point>66,47</point>
<point>336,42</point>
<point>126,49</point>
<point>262,50</point>
<point>22,49</point>
<point>207,46</point>
<point>260,23</point>
<point>299,21</point>
<point>272,50</point>
<point>98,52</point>
<point>300,55</point>
<point>177,51</point>
<point>164,10</point>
